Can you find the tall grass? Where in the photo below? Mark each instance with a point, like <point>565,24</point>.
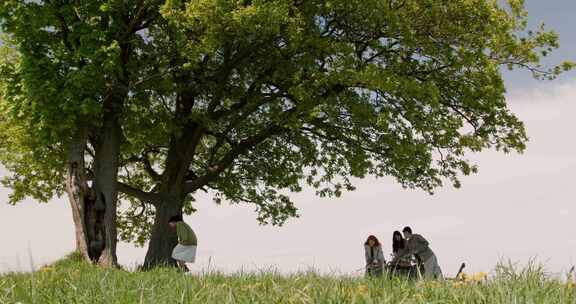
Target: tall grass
<point>73,281</point>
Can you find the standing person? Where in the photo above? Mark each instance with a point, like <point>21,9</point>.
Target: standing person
<point>185,251</point>
<point>418,246</point>
<point>374,257</point>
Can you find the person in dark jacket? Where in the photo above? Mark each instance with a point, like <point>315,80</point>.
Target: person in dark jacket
<point>419,246</point>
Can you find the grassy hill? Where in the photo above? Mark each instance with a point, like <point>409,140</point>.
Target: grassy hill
<point>73,281</point>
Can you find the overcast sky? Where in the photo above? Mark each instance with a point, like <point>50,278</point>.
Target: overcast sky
<point>517,207</point>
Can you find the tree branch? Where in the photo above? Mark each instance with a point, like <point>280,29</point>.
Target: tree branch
<point>147,197</point>
<point>241,148</point>
<point>148,167</point>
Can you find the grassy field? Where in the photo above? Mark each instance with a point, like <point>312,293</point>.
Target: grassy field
<point>72,281</point>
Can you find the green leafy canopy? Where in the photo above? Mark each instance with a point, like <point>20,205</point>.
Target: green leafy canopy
<point>281,94</point>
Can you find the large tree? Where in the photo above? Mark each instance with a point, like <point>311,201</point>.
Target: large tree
<point>67,69</point>
<point>254,99</point>
<point>269,95</point>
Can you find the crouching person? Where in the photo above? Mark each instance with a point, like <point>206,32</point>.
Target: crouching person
<point>374,257</point>
<point>185,251</point>
<point>418,246</point>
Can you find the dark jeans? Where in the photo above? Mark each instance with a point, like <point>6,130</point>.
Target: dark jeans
<point>374,270</point>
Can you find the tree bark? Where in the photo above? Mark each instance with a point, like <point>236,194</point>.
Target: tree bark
<point>105,188</point>
<point>163,239</point>
<point>87,220</point>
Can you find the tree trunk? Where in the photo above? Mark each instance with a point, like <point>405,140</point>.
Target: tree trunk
<point>163,239</point>
<point>87,219</point>
<point>105,189</point>
<point>94,207</point>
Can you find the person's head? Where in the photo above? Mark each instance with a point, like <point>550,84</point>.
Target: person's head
<point>372,241</point>
<point>407,232</point>
<point>174,219</point>
<point>397,241</point>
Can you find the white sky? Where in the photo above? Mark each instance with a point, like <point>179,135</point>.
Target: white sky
<point>517,207</point>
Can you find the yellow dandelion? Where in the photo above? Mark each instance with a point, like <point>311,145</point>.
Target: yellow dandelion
<point>571,278</point>
<point>46,269</point>
<point>479,277</point>
<point>362,289</point>
<point>458,284</point>
<point>571,282</point>
<point>433,284</point>
<point>473,278</point>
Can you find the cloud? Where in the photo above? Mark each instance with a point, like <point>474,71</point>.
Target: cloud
<point>546,92</point>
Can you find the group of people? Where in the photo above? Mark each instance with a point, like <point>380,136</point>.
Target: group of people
<point>410,253</point>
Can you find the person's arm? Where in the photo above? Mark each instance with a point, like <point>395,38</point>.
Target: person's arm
<point>420,243</point>
<point>186,235</point>
<point>381,258</point>
<point>367,254</point>
<point>421,240</point>
<point>179,233</point>
<point>193,238</point>
<point>401,254</point>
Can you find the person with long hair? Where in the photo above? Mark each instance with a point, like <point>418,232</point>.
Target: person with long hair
<point>405,265</point>
<point>374,257</point>
<point>398,242</point>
